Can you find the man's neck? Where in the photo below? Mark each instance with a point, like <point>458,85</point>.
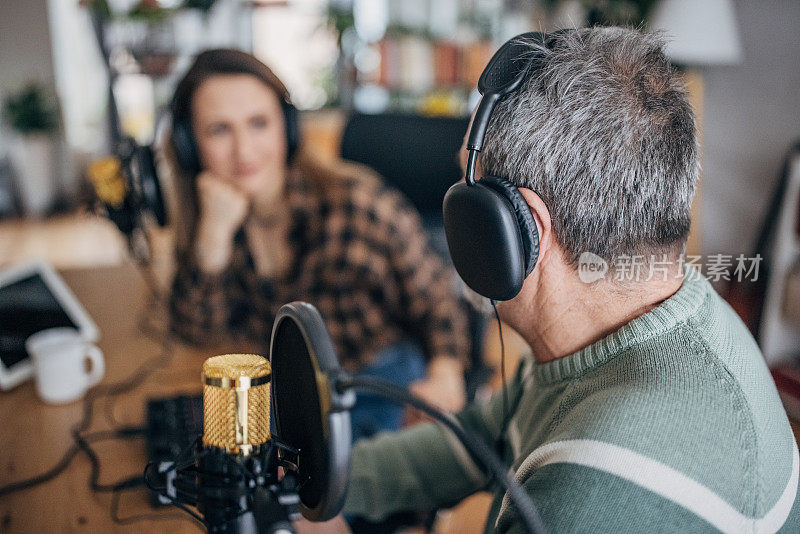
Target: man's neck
<point>566,315</point>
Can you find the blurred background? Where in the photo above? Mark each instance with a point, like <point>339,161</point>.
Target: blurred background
<point>86,84</point>
<point>344,60</point>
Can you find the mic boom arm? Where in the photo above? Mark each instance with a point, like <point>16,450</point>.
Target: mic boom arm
<point>476,447</point>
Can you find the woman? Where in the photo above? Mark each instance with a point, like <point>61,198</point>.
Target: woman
<point>263,224</point>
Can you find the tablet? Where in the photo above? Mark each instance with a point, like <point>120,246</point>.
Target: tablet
<point>33,298</point>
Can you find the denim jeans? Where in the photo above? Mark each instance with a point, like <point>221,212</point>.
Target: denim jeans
<point>401,363</point>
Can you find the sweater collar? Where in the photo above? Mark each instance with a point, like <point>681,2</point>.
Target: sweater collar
<point>675,310</point>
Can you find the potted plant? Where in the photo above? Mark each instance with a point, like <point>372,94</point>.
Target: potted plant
<point>32,114</point>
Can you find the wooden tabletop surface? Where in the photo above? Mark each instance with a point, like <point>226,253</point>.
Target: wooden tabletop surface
<point>36,435</point>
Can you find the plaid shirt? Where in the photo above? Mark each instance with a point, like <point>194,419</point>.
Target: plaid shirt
<point>359,255</point>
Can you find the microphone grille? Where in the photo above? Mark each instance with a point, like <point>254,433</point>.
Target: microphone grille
<point>236,402</point>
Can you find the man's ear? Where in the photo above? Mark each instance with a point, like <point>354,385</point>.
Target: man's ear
<point>542,217</point>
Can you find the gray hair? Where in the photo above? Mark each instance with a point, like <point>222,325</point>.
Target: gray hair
<point>604,133</point>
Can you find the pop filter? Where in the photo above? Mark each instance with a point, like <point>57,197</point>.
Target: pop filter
<point>310,415</point>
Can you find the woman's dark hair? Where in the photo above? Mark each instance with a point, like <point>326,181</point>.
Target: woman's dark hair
<point>212,63</point>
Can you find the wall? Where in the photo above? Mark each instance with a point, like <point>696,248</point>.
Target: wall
<point>24,46</point>
<point>752,115</point>
<point>25,57</point>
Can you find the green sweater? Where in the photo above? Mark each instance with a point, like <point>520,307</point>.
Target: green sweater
<point>671,424</point>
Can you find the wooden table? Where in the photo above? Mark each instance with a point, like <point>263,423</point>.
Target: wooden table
<point>35,435</point>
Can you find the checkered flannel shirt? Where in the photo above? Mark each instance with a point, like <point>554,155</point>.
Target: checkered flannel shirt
<point>359,255</point>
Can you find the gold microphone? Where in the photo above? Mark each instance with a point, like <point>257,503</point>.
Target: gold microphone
<point>233,477</point>
<point>236,403</point>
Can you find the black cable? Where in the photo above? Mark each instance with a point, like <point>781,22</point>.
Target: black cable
<point>110,392</point>
<point>58,468</point>
<point>108,410</point>
<point>181,463</point>
<point>128,520</point>
<point>155,300</point>
<point>474,445</point>
<point>145,326</point>
<point>139,375</point>
<point>502,370</point>
<point>94,475</point>
<point>115,497</point>
<point>175,502</point>
<point>185,458</point>
<point>142,372</point>
<point>82,442</point>
<point>44,477</point>
<point>126,484</point>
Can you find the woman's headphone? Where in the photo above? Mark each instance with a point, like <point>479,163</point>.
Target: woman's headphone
<point>185,147</point>
<point>490,230</point>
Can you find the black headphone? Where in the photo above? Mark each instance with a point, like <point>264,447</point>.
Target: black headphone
<point>188,157</point>
<point>491,233</point>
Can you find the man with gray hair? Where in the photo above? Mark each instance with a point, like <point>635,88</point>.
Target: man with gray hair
<point>646,405</point>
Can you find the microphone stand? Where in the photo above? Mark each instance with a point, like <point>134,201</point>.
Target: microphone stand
<point>270,515</point>
<point>235,494</point>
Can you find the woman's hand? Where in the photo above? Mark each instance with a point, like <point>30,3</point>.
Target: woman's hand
<point>444,386</point>
<point>223,209</point>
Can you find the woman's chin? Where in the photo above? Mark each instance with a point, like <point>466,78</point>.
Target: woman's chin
<point>250,184</point>
<point>259,187</point>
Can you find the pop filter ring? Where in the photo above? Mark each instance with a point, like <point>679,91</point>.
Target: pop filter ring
<point>315,421</point>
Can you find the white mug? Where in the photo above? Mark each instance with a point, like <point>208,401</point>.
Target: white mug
<point>59,361</point>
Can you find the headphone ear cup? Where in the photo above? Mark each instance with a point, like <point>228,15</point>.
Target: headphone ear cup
<point>527,225</point>
<point>485,238</point>
<point>185,148</point>
<point>290,117</point>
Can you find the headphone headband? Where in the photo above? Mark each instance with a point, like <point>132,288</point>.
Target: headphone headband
<point>503,75</point>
